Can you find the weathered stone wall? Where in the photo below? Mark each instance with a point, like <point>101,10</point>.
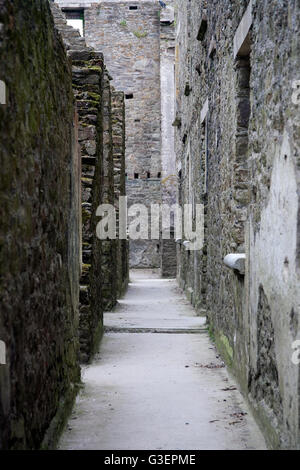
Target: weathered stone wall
<point>118,140</point>
<point>137,40</point>
<point>40,193</point>
<point>88,79</point>
<point>168,160</point>
<point>190,94</point>
<point>130,42</point>
<point>91,84</point>
<point>109,247</point>
<point>239,156</point>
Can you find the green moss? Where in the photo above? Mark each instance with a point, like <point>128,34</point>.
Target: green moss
<point>211,333</point>
<point>92,102</point>
<point>95,96</point>
<point>98,333</point>
<point>140,34</point>
<point>224,347</point>
<point>123,23</point>
<point>86,268</point>
<point>96,68</point>
<point>87,181</point>
<point>86,216</point>
<point>60,419</point>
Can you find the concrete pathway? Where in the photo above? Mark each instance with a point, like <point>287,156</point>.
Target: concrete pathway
<point>158,382</point>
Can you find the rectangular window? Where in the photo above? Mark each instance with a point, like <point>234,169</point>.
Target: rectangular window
<point>203,27</point>
<point>204,143</point>
<point>243,111</point>
<point>75,18</point>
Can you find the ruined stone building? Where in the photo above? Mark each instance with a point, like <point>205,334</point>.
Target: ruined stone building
<point>193,103</point>
<point>137,41</point>
<point>62,153</point>
<point>237,150</point>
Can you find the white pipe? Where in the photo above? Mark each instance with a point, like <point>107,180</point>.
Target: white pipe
<point>236,262</point>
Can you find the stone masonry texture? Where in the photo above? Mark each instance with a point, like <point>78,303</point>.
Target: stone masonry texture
<point>137,41</point>
<point>39,191</point>
<point>88,120</point>
<point>93,93</point>
<point>130,42</point>
<point>118,143</point>
<point>239,157</point>
<point>109,285</point>
<point>87,77</point>
<point>57,150</point>
<point>168,262</point>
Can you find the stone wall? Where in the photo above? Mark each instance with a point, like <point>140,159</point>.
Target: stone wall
<point>137,40</point>
<point>91,84</point>
<point>118,141</point>
<point>237,141</point>
<point>57,168</point>
<point>88,78</point>
<point>168,160</point>
<point>40,194</point>
<point>130,42</point>
<point>109,247</point>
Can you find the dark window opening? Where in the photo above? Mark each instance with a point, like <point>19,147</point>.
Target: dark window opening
<point>74,14</point>
<point>180,187</point>
<point>148,175</point>
<point>243,112</point>
<point>159,174</point>
<point>136,176</point>
<point>129,96</point>
<point>202,28</point>
<point>137,120</point>
<point>133,7</point>
<point>243,67</point>
<point>243,70</point>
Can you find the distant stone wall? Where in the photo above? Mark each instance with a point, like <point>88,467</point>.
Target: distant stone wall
<point>40,196</point>
<point>237,140</point>
<point>137,40</point>
<point>130,42</point>
<point>168,261</point>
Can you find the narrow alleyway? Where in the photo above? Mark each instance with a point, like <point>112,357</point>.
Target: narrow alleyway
<point>157,382</point>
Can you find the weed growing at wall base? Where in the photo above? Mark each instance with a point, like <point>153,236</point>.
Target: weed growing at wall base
<point>160,221</point>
